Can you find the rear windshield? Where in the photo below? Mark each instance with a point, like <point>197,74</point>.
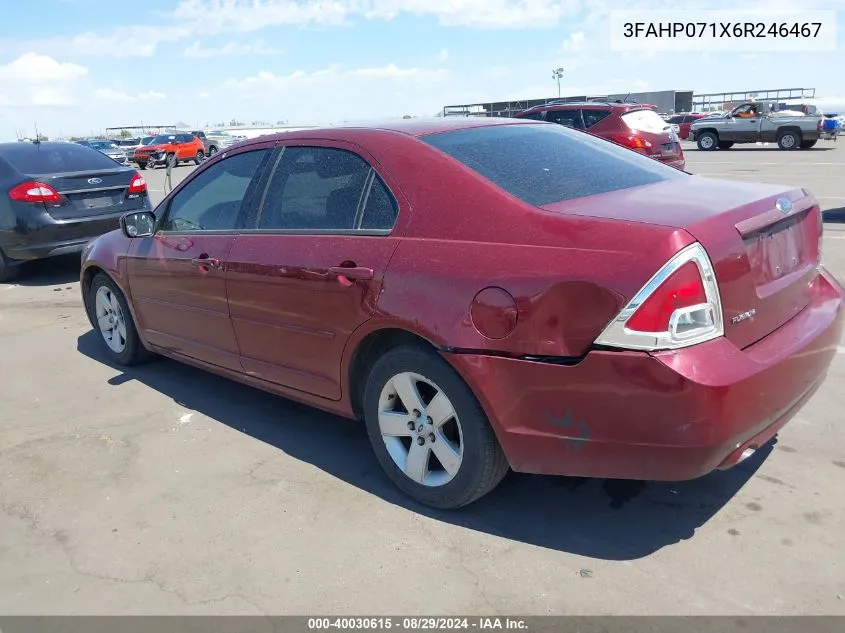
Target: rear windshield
<point>29,158</point>
<point>544,163</point>
<point>645,121</point>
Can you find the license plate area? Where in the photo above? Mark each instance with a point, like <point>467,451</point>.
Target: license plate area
<point>668,149</point>
<point>778,251</point>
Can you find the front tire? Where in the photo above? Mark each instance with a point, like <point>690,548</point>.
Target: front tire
<point>142,165</point>
<point>113,322</point>
<point>707,141</point>
<point>789,140</point>
<point>428,431</point>
<point>172,160</point>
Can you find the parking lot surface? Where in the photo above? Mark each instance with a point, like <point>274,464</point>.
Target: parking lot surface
<point>164,489</point>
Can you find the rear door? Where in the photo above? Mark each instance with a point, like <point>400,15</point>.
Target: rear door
<point>309,272</point>
<point>177,277</point>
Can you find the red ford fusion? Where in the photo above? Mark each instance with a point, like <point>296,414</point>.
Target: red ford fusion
<point>484,295</point>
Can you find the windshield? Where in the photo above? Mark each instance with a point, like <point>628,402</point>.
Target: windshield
<point>543,163</point>
<point>54,158</point>
<point>147,140</point>
<point>164,139</point>
<point>645,121</point>
<point>103,145</point>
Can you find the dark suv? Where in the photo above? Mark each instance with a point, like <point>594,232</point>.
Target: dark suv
<point>632,125</point>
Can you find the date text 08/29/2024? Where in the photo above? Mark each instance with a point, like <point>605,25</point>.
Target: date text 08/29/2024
<point>420,623</point>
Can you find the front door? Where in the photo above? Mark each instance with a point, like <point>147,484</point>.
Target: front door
<point>177,276</point>
<point>310,272</point>
<point>742,126</point>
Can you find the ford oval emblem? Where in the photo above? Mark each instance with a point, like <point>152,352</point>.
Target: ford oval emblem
<point>95,181</point>
<point>784,205</point>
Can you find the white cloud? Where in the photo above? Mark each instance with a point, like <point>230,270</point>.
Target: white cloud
<point>443,55</point>
<point>111,95</point>
<point>198,51</point>
<point>31,68</point>
<point>574,43</point>
<point>250,15</point>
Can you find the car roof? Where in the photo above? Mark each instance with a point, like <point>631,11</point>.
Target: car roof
<point>409,127</point>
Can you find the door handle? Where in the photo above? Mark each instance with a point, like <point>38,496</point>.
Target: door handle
<point>352,272</point>
<point>206,261</point>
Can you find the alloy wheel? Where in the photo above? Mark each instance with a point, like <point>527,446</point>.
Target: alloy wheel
<point>110,320</point>
<point>420,429</point>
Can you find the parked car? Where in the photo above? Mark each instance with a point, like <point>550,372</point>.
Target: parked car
<point>170,147</point>
<point>635,126</point>
<point>556,304</point>
<point>684,122</point>
<point>212,146</point>
<point>225,139</point>
<point>754,123</point>
<point>57,196</point>
<point>107,147</point>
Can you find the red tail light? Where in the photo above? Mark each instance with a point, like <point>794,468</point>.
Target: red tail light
<point>678,307</point>
<point>683,289</point>
<point>138,184</point>
<point>632,141</point>
<point>820,125</point>
<point>34,191</point>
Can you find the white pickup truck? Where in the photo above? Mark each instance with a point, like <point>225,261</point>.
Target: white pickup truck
<point>754,123</point>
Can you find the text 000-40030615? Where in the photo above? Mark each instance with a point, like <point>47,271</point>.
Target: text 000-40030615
<point>723,31</point>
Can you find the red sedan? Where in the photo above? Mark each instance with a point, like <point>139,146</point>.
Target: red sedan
<point>484,295</point>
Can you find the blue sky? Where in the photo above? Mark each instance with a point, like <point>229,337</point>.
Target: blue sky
<point>77,66</point>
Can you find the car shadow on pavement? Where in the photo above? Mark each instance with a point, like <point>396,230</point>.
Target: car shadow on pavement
<point>51,271</point>
<point>834,215</point>
<point>604,519</point>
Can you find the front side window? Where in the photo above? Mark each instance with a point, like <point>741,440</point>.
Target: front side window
<point>542,164</point>
<point>213,200</point>
<point>315,188</point>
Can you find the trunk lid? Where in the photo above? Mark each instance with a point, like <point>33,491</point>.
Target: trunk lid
<point>765,251</point>
<point>92,192</point>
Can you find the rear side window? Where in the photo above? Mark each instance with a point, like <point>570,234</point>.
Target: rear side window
<point>645,121</point>
<point>542,164</point>
<point>53,158</point>
<point>315,188</point>
<point>381,209</point>
<point>567,118</point>
<point>591,117</point>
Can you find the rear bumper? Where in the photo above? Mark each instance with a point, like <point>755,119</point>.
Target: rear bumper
<point>667,416</point>
<point>42,236</point>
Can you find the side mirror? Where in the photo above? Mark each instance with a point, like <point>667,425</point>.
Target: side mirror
<point>138,224</point>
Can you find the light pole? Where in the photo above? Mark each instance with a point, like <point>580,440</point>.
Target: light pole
<point>557,74</point>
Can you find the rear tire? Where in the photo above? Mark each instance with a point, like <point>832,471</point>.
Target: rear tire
<point>460,459</point>
<point>808,144</point>
<point>7,273</point>
<point>113,323</point>
<point>707,141</point>
<point>200,157</point>
<point>789,140</point>
<point>725,144</point>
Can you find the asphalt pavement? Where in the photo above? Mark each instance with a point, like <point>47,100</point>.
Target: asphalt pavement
<point>167,490</point>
